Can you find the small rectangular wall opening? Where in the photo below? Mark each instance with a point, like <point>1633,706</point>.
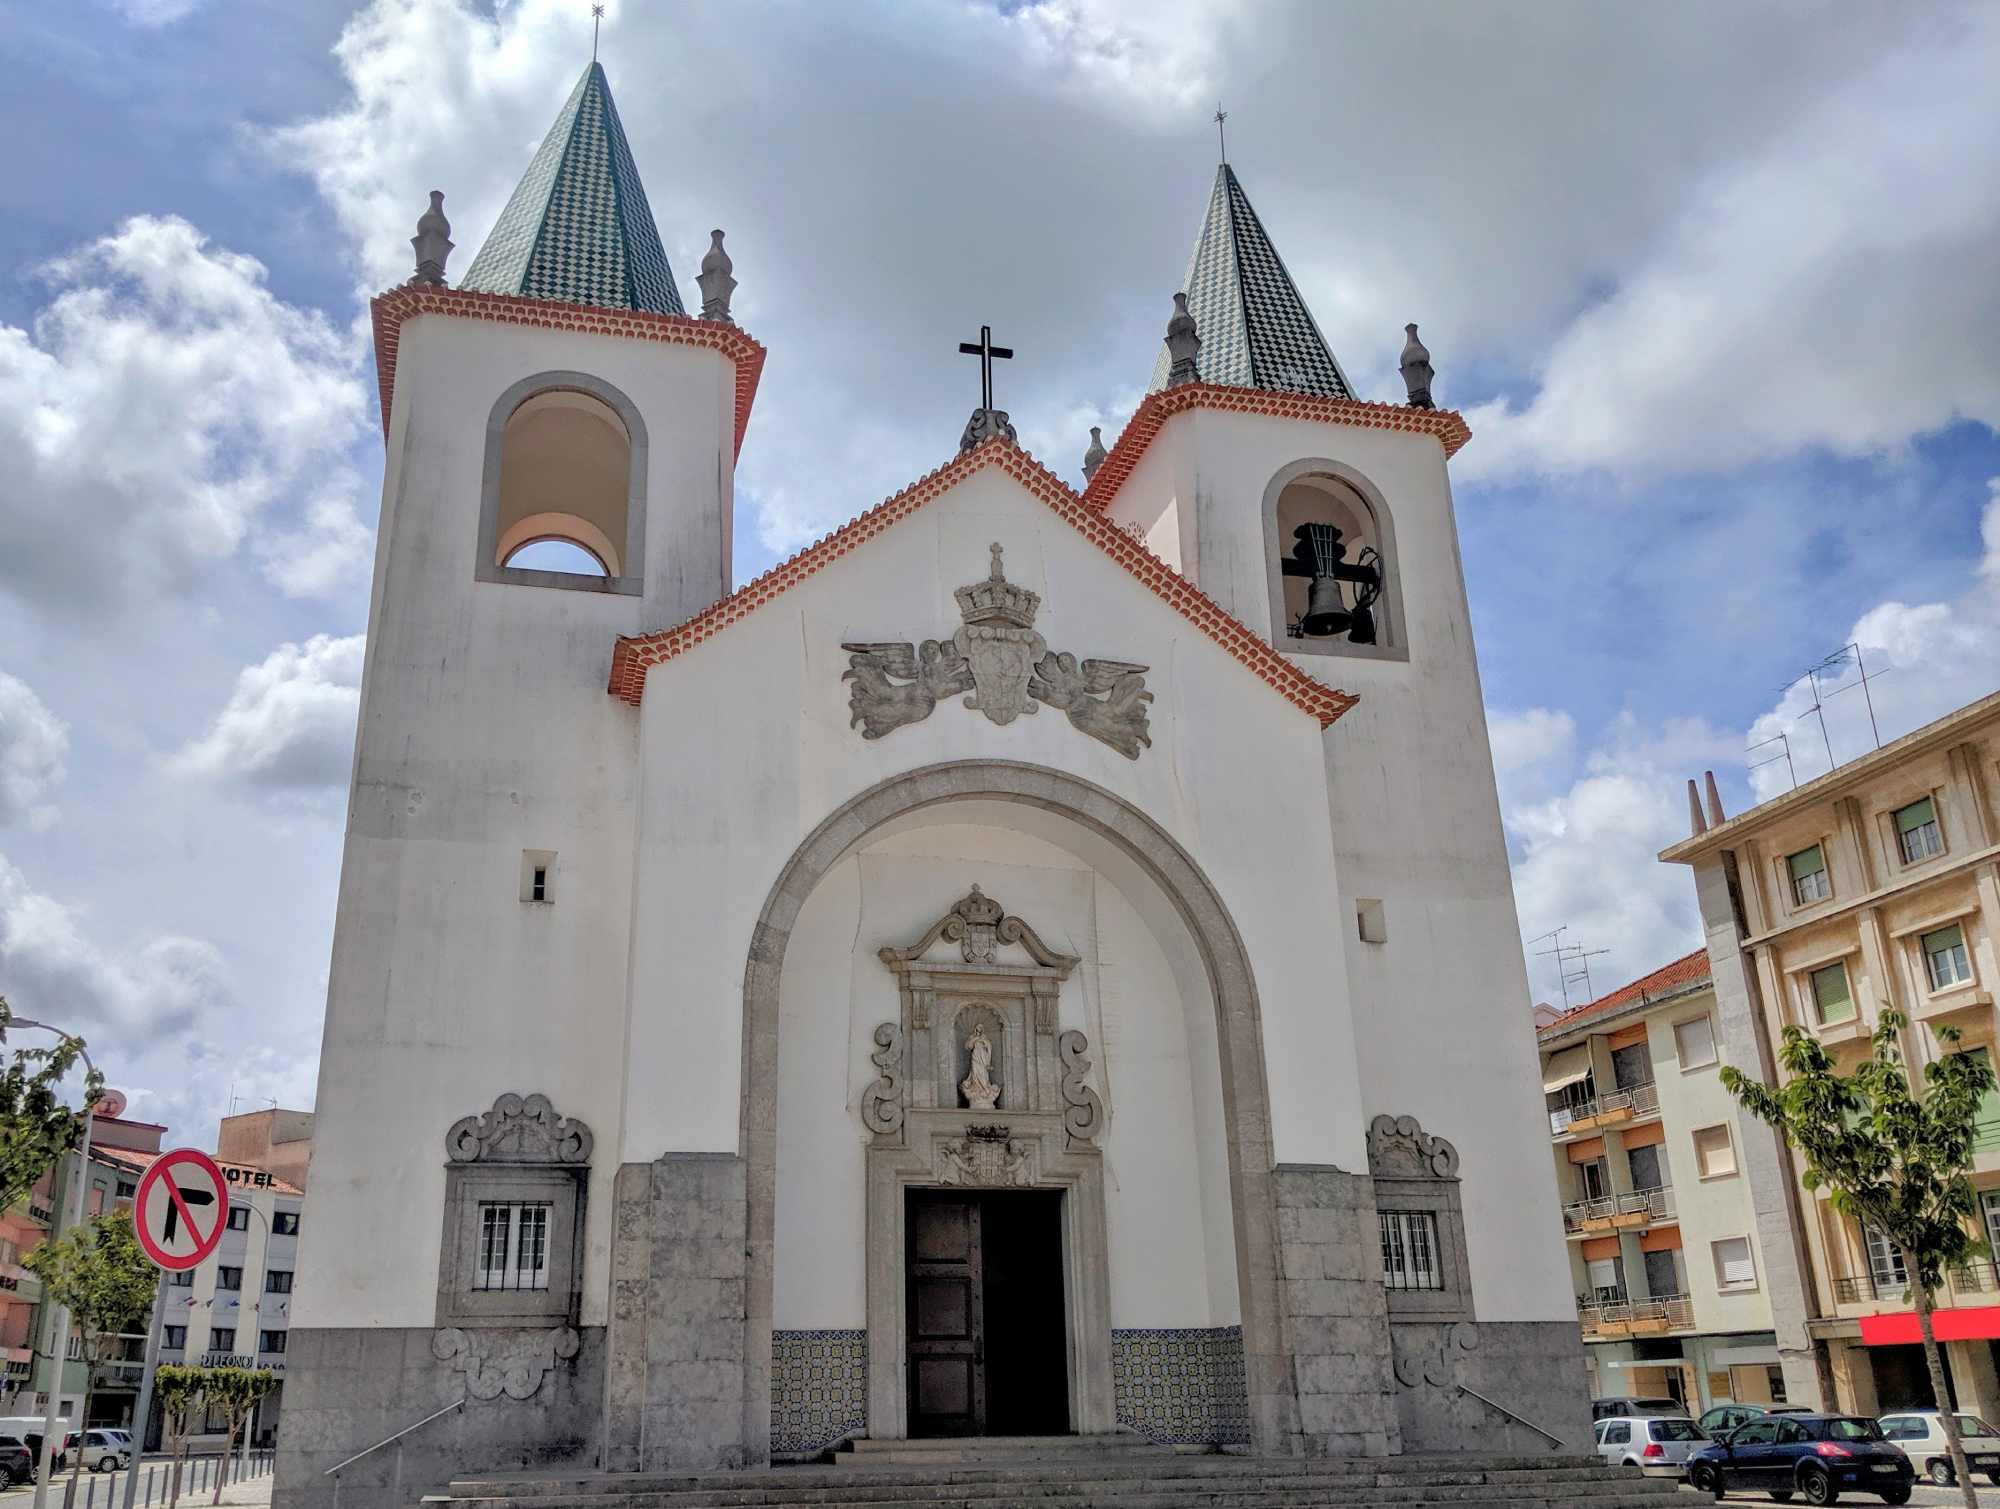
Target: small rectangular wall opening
<point>1371,922</point>
<point>538,875</point>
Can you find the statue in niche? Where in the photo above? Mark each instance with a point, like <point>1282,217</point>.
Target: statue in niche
<point>980,1093</point>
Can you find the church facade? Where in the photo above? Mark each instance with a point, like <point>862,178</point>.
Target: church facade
<point>1040,961</point>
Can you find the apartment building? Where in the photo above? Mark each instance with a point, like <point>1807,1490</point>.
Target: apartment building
<point>1663,1250</point>
<point>1876,886</point>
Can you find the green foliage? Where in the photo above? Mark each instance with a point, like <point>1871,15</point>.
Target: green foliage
<point>1897,1160</point>
<point>102,1274</point>
<point>179,1388</point>
<point>36,1126</point>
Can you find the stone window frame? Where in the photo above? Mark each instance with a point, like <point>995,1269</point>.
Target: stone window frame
<point>1392,631</point>
<point>1415,1171</point>
<point>486,567</point>
<point>520,1150</point>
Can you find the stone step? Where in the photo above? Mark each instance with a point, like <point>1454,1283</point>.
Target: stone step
<point>1632,1492</point>
<point>977,1449</point>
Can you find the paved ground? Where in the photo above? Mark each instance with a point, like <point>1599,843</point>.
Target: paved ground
<point>1931,1498</point>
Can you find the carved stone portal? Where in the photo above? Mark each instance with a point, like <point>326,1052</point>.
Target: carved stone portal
<point>510,1362</point>
<point>997,656</point>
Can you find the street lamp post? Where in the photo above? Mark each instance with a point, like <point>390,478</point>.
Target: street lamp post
<point>55,1327</point>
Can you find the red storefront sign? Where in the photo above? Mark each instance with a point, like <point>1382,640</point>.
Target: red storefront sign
<point>1977,1323</point>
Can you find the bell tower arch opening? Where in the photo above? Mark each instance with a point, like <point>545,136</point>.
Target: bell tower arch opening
<point>1330,548</point>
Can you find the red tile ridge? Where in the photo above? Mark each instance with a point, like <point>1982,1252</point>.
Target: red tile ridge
<point>389,310</point>
<point>1448,425</point>
<point>634,654</point>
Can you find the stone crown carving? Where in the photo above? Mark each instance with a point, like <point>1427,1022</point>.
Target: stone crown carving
<point>519,1129</point>
<point>1399,1148</point>
<point>979,925</point>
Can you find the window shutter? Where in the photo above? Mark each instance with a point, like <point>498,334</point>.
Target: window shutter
<point>1914,816</point>
<point>1807,862</point>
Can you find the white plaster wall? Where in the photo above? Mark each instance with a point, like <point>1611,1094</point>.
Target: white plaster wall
<point>1170,1241</point>
<point>485,729</point>
<point>718,825</point>
<point>1442,1029</point>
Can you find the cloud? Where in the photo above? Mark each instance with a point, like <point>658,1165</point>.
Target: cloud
<point>155,13</point>
<point>33,743</point>
<point>55,972</point>
<point>289,724</point>
<point>1530,737</point>
<point>161,401</point>
<point>329,552</point>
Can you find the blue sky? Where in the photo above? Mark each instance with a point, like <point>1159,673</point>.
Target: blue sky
<point>1713,284</point>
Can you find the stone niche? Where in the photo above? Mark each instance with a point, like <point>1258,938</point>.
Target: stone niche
<point>978,975</point>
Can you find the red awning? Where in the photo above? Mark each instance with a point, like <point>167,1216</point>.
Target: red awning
<point>1974,1324</point>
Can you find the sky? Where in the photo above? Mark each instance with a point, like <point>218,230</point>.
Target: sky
<point>1715,286</point>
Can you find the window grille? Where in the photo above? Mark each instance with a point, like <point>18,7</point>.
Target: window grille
<point>1410,1250</point>
<point>513,1245</point>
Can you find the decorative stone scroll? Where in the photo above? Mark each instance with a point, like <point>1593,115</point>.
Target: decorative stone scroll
<point>519,1129</point>
<point>510,1362</point>
<point>882,1102</point>
<point>1008,668</point>
<point>1398,1148</point>
<point>1084,1118</point>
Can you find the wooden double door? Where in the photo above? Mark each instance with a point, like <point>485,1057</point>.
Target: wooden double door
<point>988,1340</point>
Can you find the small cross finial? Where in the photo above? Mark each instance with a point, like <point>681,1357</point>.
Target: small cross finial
<point>596,19</point>
<point>998,574</point>
<point>1221,143</point>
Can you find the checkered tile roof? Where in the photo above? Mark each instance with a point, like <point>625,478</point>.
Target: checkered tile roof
<point>1256,331</point>
<point>578,229</point>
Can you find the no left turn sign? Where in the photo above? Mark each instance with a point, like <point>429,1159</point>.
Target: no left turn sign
<point>181,1208</point>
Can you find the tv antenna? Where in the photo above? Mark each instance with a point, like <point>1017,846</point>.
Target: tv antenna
<point>1572,964</point>
<point>1784,744</point>
<point>1829,667</point>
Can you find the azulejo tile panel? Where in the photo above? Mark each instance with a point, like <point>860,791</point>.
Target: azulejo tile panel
<point>1182,1387</point>
<point>819,1389</point>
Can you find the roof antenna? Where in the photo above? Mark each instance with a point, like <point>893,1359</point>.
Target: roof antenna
<point>1221,144</point>
<point>596,19</point>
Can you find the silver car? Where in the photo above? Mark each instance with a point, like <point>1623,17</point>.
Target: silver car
<point>1658,1445</point>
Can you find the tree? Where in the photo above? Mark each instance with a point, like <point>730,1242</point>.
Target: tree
<point>36,1126</point>
<point>1897,1161</point>
<point>101,1274</point>
<point>235,1391</point>
<point>181,1391</point>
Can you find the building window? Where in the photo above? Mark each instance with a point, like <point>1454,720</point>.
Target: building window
<point>538,872</point>
<point>514,1214</point>
<point>1371,922</point>
<point>1833,1001</point>
<point>126,1189</point>
<point>1885,1260</point>
<point>222,1339</point>
<point>285,1223</point>
<point>1410,1250</point>
<point>174,1338</point>
<point>228,1278</point>
<point>271,1341</point>
<point>278,1281</point>
<point>1809,877</point>
<point>1694,1042</point>
<point>1945,958</point>
<point>1606,1277</point>
<point>1989,1211</point>
<point>513,1245</point>
<point>1714,1153</point>
<point>183,1279</point>
<point>239,1218</point>
<point>1734,1267</point>
<point>1917,833</point>
<point>75,1352</point>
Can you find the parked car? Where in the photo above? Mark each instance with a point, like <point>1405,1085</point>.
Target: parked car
<point>1724,1418</point>
<point>29,1429</point>
<point>1818,1457</point>
<point>1920,1434</point>
<point>103,1450</point>
<point>1658,1445</point>
<point>1604,1409</point>
<point>17,1463</point>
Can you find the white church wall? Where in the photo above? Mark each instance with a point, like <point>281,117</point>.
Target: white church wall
<point>1150,502</point>
<point>1170,1247</point>
<point>719,824</point>
<point>485,730</point>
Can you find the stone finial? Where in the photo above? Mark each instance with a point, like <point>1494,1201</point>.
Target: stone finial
<point>1183,345</point>
<point>715,281</point>
<point>1094,457</point>
<point>1715,817</point>
<point>1697,824</point>
<point>1417,370</point>
<point>432,242</point>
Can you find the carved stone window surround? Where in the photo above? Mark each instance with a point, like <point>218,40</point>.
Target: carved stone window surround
<point>519,1151</point>
<point>1415,1171</point>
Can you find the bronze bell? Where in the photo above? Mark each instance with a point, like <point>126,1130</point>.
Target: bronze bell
<point>1320,551</point>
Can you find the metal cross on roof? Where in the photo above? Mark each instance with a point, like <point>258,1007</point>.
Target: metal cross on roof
<point>988,354</point>
<point>1221,144</point>
<point>596,19</point>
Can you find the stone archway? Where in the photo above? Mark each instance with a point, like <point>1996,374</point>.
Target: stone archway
<point>1272,1390</point>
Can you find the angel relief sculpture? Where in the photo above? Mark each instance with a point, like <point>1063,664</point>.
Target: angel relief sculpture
<point>1008,669</point>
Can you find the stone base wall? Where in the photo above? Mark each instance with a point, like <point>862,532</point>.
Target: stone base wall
<point>1534,1368</point>
<point>348,1388</point>
<point>1333,1314</point>
<point>679,1390</point>
<point>1182,1387</point>
<point>819,1390</point>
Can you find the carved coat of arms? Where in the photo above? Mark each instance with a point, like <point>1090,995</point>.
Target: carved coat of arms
<point>997,656</point>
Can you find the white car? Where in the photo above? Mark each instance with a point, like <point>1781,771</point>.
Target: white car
<point>1920,1433</point>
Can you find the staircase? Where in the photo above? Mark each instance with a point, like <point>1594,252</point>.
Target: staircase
<point>1072,1473</point>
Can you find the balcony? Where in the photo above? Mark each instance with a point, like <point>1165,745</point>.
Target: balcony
<point>1976,1278</point>
<point>1870,1288</point>
<point>1632,1211</point>
<point>1613,1108</point>
<point>1610,1319</point>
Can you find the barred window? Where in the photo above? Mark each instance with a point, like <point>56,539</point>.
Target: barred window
<point>513,1245</point>
<point>1410,1250</point>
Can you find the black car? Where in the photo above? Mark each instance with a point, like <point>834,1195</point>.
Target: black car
<point>17,1463</point>
<point>1818,1457</point>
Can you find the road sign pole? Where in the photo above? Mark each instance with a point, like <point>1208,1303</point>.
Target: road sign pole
<point>59,1327</point>
<point>142,1412</point>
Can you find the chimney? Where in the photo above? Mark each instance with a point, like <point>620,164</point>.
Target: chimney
<point>1715,817</point>
<point>1697,824</point>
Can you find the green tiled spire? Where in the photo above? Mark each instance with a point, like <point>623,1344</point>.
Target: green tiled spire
<point>1256,331</point>
<point>578,229</point>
